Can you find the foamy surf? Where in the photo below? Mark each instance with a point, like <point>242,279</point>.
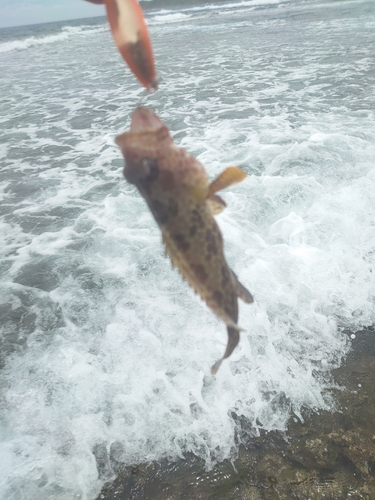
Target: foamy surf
<point>35,41</point>
<point>175,17</point>
<point>106,352</point>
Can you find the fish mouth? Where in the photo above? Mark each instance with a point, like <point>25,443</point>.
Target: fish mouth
<point>144,119</point>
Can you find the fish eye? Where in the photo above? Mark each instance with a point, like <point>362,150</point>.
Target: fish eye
<point>150,168</point>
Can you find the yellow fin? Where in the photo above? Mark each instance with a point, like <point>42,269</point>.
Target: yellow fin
<point>231,175</point>
<point>198,192</point>
<point>215,204</point>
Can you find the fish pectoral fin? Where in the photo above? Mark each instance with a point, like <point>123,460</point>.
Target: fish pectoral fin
<point>198,192</point>
<point>233,339</point>
<point>231,175</point>
<point>215,204</point>
<point>241,292</point>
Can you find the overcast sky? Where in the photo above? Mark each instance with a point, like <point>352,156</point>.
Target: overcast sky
<point>19,12</point>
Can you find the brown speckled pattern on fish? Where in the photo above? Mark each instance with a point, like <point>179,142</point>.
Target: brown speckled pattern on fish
<point>176,186</point>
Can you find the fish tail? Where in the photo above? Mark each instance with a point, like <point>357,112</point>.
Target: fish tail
<point>233,339</point>
<point>232,324</point>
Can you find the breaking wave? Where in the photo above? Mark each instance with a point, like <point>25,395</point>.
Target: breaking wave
<point>105,351</point>
<point>169,18</point>
<point>34,41</point>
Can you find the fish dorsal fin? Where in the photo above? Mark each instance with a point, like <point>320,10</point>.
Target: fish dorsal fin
<point>215,204</point>
<point>241,292</point>
<point>231,175</point>
<point>169,250</point>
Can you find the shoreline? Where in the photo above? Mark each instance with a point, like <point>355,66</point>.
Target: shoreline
<point>330,455</point>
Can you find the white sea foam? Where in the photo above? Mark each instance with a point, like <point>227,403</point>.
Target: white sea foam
<point>175,17</point>
<point>107,351</point>
<point>33,41</point>
<point>220,7</point>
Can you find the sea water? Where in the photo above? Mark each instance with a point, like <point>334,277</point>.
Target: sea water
<point>105,351</point>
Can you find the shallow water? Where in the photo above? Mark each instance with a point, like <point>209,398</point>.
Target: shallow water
<point>327,455</point>
<point>104,349</point>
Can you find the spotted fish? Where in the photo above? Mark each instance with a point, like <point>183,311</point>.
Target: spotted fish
<point>177,190</point>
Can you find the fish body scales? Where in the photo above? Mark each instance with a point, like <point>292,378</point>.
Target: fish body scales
<point>177,191</point>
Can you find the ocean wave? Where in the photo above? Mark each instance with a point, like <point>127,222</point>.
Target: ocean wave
<point>64,34</point>
<point>106,350</point>
<point>228,6</point>
<point>169,17</point>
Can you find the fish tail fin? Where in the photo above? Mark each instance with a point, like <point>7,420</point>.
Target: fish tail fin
<point>233,339</point>
<point>232,324</point>
<point>241,292</point>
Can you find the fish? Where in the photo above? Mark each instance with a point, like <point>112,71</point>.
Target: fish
<point>133,41</point>
<point>176,188</point>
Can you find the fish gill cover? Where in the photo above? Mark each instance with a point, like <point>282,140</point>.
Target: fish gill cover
<point>105,351</point>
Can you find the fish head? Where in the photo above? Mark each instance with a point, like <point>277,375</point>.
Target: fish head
<point>144,119</point>
<point>143,144</point>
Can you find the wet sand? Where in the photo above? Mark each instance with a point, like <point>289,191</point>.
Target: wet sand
<point>330,455</point>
